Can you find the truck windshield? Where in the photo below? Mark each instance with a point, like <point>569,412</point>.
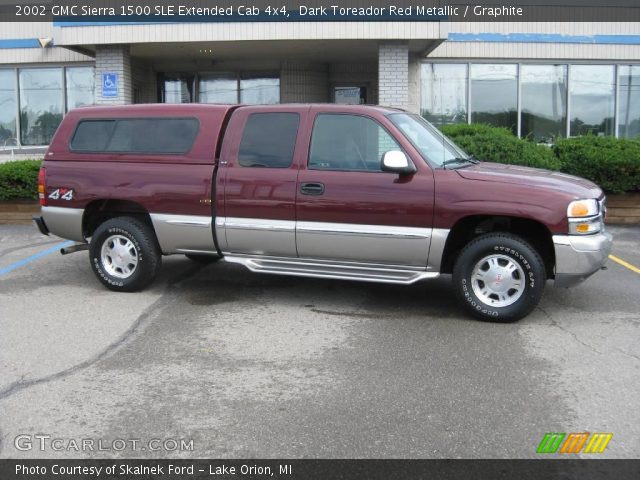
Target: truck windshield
<point>432,145</point>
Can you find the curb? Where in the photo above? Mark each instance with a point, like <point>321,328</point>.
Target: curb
<point>18,212</point>
<point>623,209</point>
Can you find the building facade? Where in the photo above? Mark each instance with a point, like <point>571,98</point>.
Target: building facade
<point>541,80</point>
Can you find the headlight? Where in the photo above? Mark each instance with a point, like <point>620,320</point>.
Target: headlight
<point>585,217</point>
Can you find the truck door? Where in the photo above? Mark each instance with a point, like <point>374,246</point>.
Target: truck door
<point>256,186</point>
<point>348,209</point>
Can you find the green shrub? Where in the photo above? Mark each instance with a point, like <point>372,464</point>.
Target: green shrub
<point>612,163</point>
<point>19,180</point>
<point>496,144</point>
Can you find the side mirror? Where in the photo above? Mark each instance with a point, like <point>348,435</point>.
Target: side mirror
<point>397,162</point>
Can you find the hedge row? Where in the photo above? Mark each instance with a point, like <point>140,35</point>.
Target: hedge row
<point>499,145</point>
<point>612,163</point>
<point>19,180</point>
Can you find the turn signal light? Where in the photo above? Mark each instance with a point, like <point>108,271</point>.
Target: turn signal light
<point>579,210</point>
<point>583,208</point>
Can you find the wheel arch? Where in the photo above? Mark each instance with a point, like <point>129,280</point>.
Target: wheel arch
<point>99,211</point>
<point>467,228</point>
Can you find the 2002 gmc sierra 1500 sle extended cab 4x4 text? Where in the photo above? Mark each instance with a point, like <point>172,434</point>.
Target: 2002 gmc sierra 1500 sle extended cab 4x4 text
<point>332,191</point>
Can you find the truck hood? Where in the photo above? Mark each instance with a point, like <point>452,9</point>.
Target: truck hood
<point>531,177</point>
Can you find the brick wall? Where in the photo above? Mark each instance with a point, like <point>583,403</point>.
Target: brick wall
<point>304,82</point>
<point>116,59</point>
<point>393,74</point>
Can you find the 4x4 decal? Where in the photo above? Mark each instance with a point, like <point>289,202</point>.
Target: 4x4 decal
<point>62,194</point>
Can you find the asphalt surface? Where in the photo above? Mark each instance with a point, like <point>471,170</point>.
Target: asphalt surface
<point>257,366</point>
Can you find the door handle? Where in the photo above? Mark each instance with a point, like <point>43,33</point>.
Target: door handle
<point>312,188</point>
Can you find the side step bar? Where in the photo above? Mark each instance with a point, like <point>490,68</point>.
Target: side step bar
<point>304,267</point>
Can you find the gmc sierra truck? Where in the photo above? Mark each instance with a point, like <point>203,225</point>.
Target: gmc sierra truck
<point>331,191</point>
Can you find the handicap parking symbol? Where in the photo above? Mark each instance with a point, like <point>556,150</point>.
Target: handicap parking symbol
<point>109,84</point>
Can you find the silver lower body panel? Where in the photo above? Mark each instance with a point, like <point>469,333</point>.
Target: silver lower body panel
<point>64,222</point>
<point>257,236</point>
<point>318,268</point>
<point>183,233</point>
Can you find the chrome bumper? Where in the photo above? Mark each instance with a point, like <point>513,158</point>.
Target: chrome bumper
<point>578,257</point>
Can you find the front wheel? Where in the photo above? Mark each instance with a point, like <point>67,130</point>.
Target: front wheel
<point>124,254</point>
<point>499,277</point>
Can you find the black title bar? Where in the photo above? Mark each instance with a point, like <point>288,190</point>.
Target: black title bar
<point>319,469</point>
<point>177,11</point>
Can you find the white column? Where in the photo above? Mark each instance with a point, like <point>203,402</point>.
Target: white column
<point>114,59</point>
<point>393,74</point>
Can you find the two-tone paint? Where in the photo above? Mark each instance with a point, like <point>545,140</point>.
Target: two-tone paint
<point>377,226</point>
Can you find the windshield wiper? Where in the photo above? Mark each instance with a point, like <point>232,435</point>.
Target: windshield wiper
<point>469,160</point>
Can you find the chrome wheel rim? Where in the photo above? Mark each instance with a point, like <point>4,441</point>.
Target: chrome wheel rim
<point>498,281</point>
<point>119,256</point>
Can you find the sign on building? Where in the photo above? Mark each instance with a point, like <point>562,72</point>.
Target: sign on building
<point>109,84</point>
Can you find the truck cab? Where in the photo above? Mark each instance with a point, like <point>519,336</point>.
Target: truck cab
<point>331,191</point>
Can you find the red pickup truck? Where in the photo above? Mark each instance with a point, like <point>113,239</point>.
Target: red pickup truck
<point>331,191</point>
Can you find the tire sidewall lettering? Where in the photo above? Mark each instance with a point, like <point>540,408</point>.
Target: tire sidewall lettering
<point>477,305</point>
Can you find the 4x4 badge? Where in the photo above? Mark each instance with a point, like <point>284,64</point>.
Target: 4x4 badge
<point>62,194</point>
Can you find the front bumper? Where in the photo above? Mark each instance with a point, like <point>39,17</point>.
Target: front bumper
<point>578,257</point>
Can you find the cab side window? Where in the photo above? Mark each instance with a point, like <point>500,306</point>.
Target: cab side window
<point>268,140</point>
<point>348,142</point>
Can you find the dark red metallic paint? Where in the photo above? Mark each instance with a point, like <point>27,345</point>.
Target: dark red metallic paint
<point>175,184</point>
<point>181,184</point>
<point>367,198</point>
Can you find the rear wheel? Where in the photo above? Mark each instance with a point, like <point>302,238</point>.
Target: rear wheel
<point>124,254</point>
<point>499,277</point>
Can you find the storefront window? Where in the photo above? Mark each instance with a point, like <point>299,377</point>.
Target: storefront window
<point>80,82</point>
<point>592,99</point>
<point>544,102</point>
<point>8,106</point>
<point>494,95</point>
<point>444,93</point>
<point>629,98</point>
<point>41,104</point>
<point>176,88</point>
<point>218,88</point>
<point>260,90</point>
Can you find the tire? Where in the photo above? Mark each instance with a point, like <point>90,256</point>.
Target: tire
<point>201,258</point>
<point>514,277</point>
<point>124,254</point>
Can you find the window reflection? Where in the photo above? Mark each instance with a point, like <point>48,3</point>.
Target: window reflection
<point>629,97</point>
<point>494,95</point>
<point>41,104</point>
<point>444,93</point>
<point>544,101</point>
<point>8,106</point>
<point>80,82</point>
<point>592,99</point>
<point>218,88</point>
<point>260,90</point>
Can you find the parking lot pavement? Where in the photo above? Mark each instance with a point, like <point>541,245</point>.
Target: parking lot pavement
<point>256,366</point>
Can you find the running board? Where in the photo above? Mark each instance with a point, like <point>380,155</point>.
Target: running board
<point>304,267</point>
